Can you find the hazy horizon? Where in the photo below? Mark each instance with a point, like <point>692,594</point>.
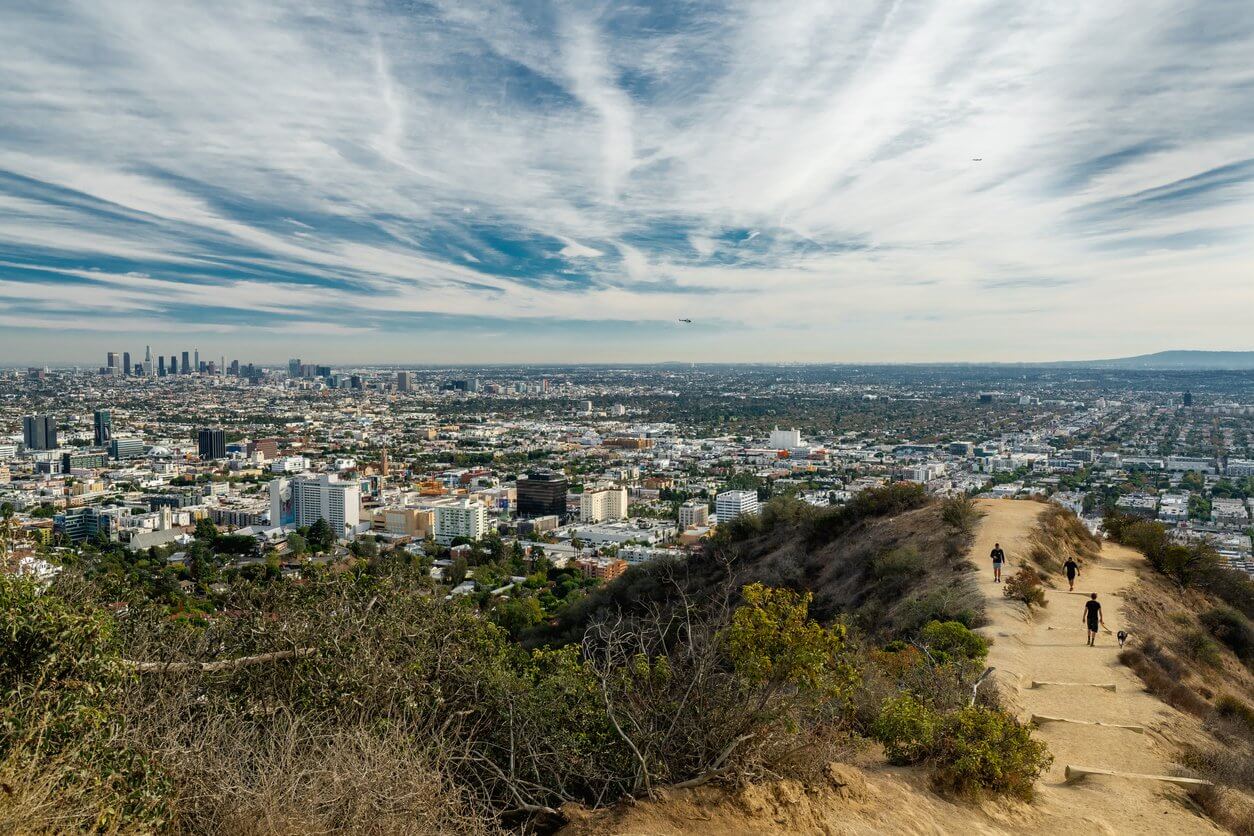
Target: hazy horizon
<point>903,181</point>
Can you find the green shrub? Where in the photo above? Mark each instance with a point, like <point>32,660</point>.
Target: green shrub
<point>1025,585</point>
<point>902,562</point>
<point>1199,647</point>
<point>1231,628</point>
<point>960,513</point>
<point>980,749</point>
<point>907,728</point>
<point>951,641</point>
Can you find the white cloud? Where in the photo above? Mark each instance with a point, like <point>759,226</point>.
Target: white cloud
<point>765,164</point>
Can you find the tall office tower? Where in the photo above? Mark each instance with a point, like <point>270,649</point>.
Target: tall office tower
<point>221,365</point>
<point>113,364</point>
<point>103,423</point>
<point>39,432</point>
<point>126,363</point>
<point>355,382</point>
<point>303,500</point>
<point>161,366</point>
<point>404,382</point>
<point>293,367</point>
<point>212,368</point>
<point>196,367</point>
<point>149,368</point>
<point>173,366</point>
<point>1188,399</point>
<point>542,493</point>
<point>235,368</point>
<point>211,443</point>
<point>187,364</point>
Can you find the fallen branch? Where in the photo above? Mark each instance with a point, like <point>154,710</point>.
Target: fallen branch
<point>221,665</point>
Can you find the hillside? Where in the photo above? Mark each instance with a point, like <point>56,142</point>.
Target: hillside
<point>888,564</point>
<point>1176,361</point>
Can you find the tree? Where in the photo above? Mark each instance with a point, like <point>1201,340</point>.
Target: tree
<point>321,537</point>
<point>206,530</point>
<point>296,545</point>
<point>515,615</point>
<point>772,640</point>
<point>457,572</point>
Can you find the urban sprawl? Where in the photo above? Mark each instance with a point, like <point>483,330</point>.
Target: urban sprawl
<point>535,483</point>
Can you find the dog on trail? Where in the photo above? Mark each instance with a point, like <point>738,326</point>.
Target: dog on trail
<point>1122,635</point>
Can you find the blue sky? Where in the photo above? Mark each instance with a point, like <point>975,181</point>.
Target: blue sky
<point>542,181</point>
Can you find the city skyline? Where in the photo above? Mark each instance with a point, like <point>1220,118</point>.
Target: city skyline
<point>489,183</point>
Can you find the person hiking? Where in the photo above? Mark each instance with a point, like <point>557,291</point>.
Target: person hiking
<point>1073,570</point>
<point>1093,617</point>
<point>999,557</point>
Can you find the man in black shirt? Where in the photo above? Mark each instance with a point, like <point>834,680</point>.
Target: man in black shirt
<point>1093,617</point>
<point>999,557</point>
<point>1073,569</point>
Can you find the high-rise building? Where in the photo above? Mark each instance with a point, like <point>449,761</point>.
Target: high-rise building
<point>39,432</point>
<point>187,364</point>
<point>161,366</point>
<point>102,422</point>
<point>126,363</point>
<point>196,367</point>
<point>303,500</point>
<point>693,513</point>
<point>293,367</point>
<point>126,448</point>
<point>600,504</point>
<point>173,366</point>
<point>404,382</point>
<point>785,439</point>
<point>1188,399</point>
<point>542,493</point>
<point>211,443</point>
<point>149,369</point>
<point>731,504</point>
<point>461,519</point>
<point>113,363</point>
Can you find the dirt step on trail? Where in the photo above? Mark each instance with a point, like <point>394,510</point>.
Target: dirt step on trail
<point>1050,646</point>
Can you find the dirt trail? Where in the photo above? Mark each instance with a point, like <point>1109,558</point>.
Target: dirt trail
<point>1050,646</point>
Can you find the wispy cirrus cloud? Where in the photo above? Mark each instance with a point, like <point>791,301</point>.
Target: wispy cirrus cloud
<point>800,177</point>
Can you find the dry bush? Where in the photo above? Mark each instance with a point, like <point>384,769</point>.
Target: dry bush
<point>1231,769</point>
<point>297,775</point>
<point>1161,682</point>
<point>1025,586</point>
<point>1059,534</point>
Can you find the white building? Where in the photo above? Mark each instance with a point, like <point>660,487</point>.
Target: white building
<point>289,464</point>
<point>785,439</point>
<point>693,513</point>
<point>1240,467</point>
<point>460,519</point>
<point>599,504</point>
<point>1183,463</point>
<point>306,499</point>
<point>731,504</point>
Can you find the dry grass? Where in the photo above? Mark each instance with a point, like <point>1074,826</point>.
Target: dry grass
<point>1060,534</point>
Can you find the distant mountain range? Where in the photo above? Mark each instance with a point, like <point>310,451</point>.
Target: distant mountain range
<point>1176,360</point>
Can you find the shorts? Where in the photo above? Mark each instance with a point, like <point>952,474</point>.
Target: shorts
<point>1093,625</point>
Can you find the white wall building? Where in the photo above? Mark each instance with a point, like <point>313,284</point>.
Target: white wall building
<point>785,439</point>
<point>731,504</point>
<point>460,519</point>
<point>306,499</point>
<point>289,464</point>
<point>599,504</point>
<point>693,513</point>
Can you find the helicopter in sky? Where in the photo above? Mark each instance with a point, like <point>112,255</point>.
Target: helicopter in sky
<point>689,321</point>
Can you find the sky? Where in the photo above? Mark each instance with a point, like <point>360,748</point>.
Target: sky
<point>468,182</point>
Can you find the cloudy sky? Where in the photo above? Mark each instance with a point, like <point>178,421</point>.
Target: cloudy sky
<point>545,181</point>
